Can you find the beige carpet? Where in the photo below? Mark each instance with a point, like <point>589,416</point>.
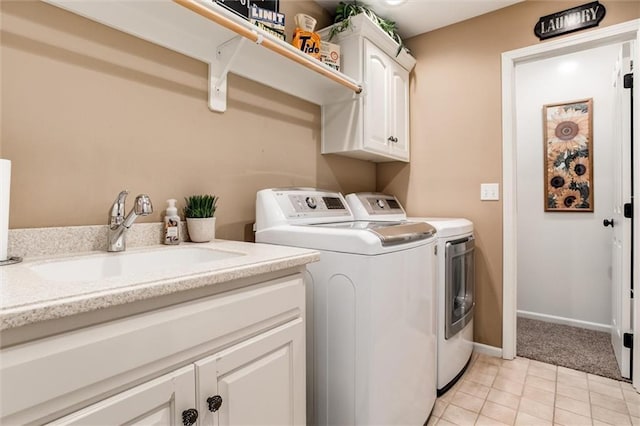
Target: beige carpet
<point>571,347</point>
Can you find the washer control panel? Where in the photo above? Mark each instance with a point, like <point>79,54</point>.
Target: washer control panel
<point>319,204</point>
<point>311,203</point>
<point>369,205</point>
<point>384,205</point>
<point>300,206</point>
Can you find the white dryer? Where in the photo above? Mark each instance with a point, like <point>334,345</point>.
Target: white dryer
<point>455,281</point>
<point>370,346</point>
<point>456,297</point>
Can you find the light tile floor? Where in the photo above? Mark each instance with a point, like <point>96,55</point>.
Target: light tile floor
<point>525,392</point>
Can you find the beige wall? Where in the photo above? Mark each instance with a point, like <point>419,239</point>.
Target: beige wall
<point>456,132</point>
<point>88,111</point>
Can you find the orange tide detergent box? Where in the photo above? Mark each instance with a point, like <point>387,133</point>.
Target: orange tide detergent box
<point>307,41</point>
<point>304,38</point>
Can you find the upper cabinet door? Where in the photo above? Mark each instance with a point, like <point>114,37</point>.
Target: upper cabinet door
<point>161,401</point>
<point>376,99</point>
<point>260,381</point>
<point>399,112</point>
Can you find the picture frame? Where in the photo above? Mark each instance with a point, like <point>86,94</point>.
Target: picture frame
<point>568,156</point>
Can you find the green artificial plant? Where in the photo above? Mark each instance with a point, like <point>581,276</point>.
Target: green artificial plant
<point>344,12</point>
<point>199,206</point>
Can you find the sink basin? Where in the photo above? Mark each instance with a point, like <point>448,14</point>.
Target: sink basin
<point>170,261</point>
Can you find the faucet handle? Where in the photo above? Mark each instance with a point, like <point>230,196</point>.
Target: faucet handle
<point>121,196</point>
<point>117,209</point>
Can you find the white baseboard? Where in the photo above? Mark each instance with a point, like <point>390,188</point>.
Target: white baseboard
<point>487,350</point>
<point>566,321</point>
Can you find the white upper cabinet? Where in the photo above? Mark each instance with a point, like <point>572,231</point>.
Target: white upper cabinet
<point>375,124</point>
<point>385,117</point>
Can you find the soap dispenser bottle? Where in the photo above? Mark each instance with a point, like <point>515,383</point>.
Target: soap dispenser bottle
<point>171,224</point>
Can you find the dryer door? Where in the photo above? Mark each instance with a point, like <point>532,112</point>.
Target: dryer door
<point>459,285</point>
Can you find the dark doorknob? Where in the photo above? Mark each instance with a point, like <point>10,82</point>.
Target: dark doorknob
<point>214,402</point>
<point>189,417</point>
<point>608,222</point>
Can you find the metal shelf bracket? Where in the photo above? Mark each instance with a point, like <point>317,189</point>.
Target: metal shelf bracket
<point>218,69</point>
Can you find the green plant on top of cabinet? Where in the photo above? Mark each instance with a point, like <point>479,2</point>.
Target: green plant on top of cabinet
<point>200,206</point>
<point>374,125</point>
<point>199,213</point>
<point>344,12</point>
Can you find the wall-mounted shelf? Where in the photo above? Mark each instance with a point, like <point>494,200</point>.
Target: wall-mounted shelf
<point>208,32</point>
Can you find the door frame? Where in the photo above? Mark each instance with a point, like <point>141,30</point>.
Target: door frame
<point>608,35</point>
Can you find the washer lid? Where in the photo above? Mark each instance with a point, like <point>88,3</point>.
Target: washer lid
<point>447,226</point>
<point>389,233</point>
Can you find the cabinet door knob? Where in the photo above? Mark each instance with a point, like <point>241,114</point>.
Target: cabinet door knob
<point>215,402</point>
<point>189,416</point>
<point>608,222</point>
<point>392,139</point>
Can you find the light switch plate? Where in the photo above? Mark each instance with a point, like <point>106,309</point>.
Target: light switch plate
<point>489,191</point>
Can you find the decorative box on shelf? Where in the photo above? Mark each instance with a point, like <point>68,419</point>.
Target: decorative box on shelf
<point>270,21</point>
<point>242,7</point>
<point>264,14</point>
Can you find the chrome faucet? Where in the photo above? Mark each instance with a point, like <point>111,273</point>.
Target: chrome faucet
<point>118,223</point>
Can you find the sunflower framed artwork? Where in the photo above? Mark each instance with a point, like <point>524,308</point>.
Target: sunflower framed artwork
<point>568,156</point>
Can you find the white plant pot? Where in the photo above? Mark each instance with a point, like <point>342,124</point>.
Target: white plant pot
<point>201,230</point>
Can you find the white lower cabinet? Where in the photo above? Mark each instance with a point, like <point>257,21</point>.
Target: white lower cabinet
<point>161,401</point>
<point>256,382</point>
<point>237,358</point>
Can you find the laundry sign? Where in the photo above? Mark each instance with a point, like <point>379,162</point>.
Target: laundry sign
<point>570,20</point>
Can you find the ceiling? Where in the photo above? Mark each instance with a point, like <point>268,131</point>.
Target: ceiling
<point>415,17</point>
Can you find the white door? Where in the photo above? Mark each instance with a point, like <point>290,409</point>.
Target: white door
<point>399,114</point>
<point>162,401</point>
<point>376,99</point>
<point>260,381</point>
<point>621,232</point>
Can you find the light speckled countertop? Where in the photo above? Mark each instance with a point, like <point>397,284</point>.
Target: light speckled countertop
<point>26,297</point>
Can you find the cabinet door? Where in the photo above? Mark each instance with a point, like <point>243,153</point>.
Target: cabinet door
<point>158,402</point>
<point>260,381</point>
<point>399,112</point>
<point>376,99</point>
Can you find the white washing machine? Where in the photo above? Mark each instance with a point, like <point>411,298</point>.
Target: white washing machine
<point>455,281</point>
<point>370,345</point>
